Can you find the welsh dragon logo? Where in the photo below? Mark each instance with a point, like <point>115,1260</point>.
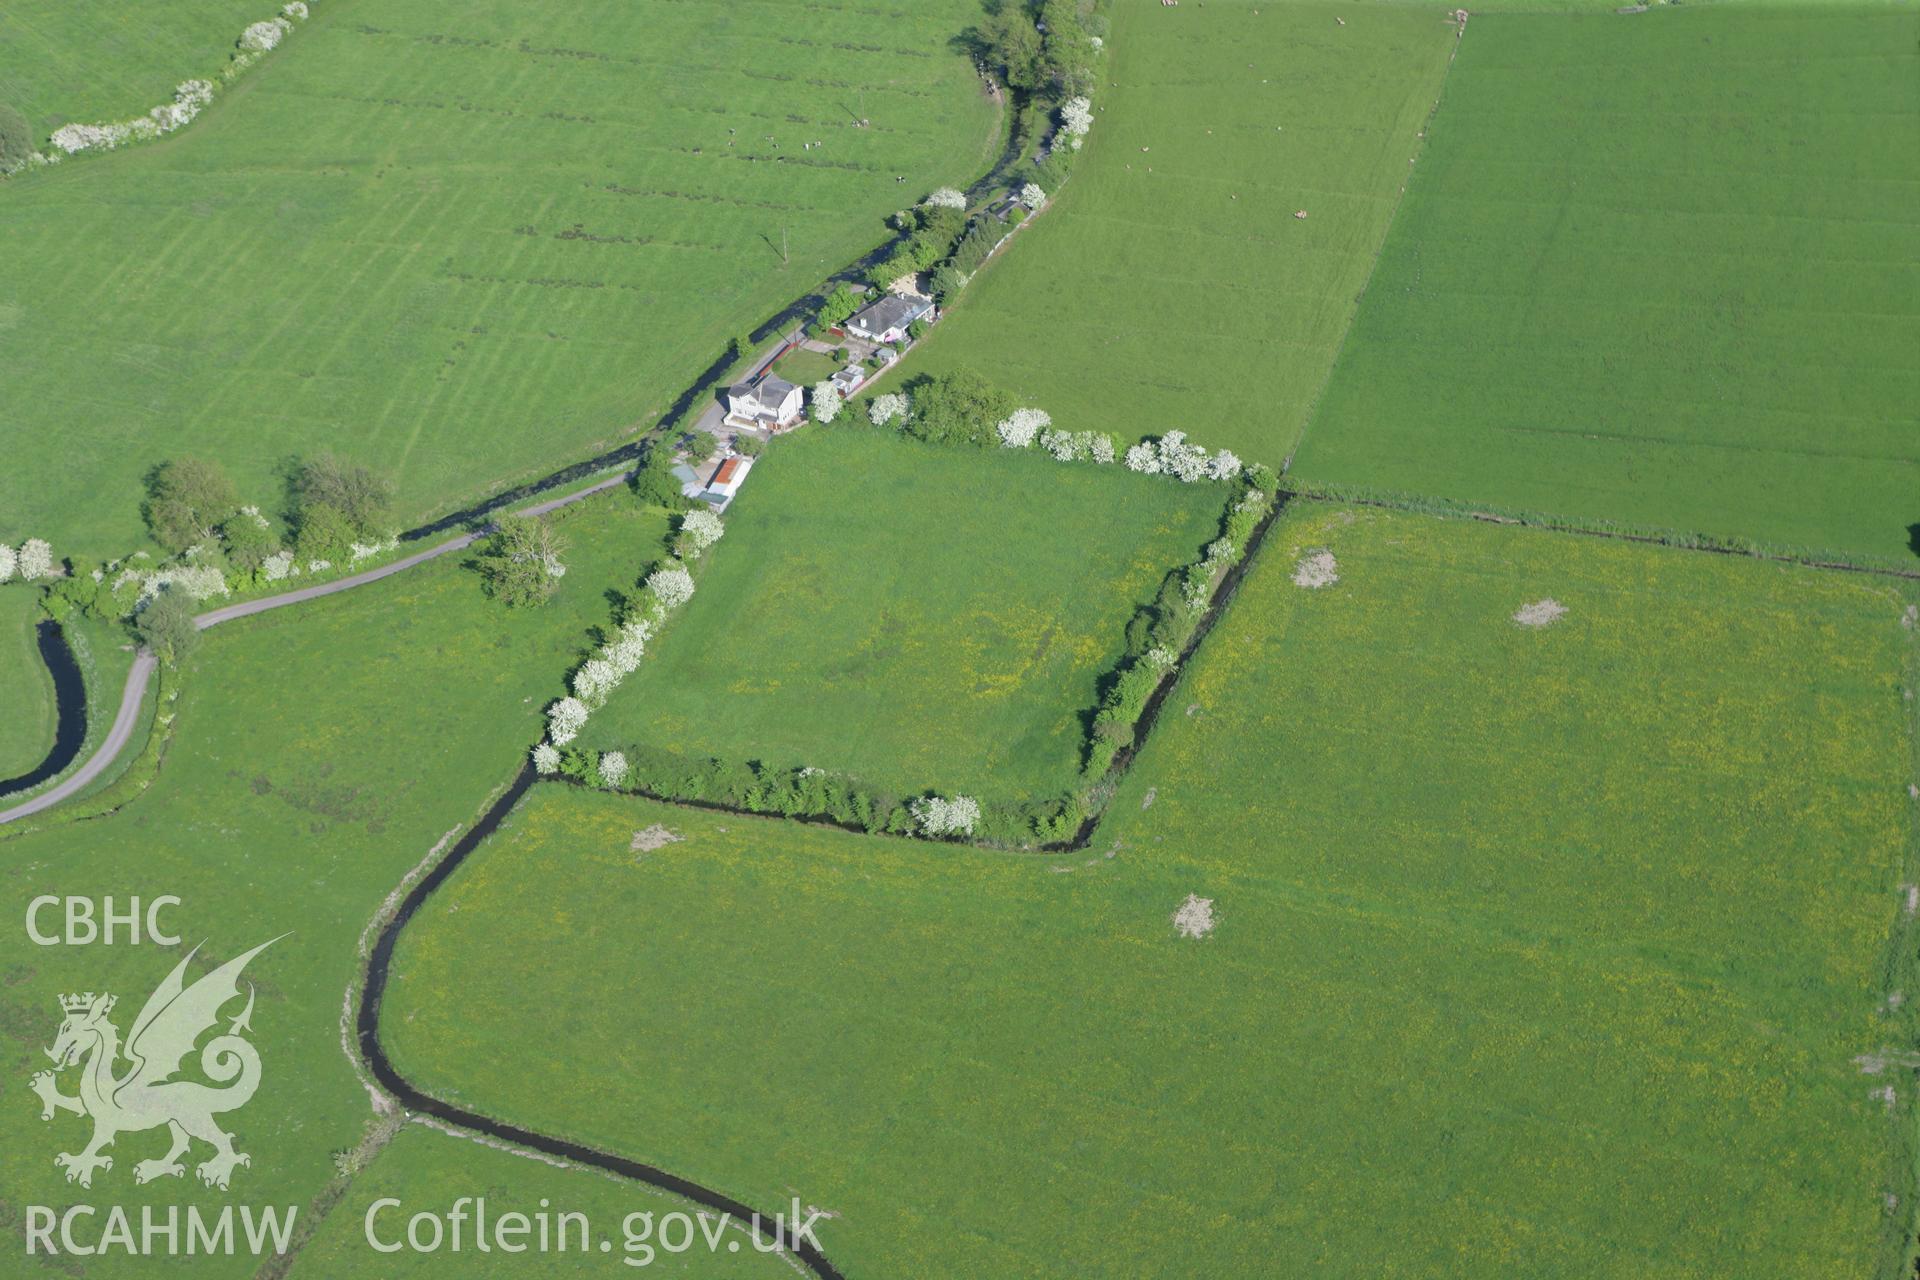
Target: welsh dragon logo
<point>144,1095</point>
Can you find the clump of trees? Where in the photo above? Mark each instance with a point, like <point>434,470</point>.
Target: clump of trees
<point>960,407</point>
<point>336,505</point>
<point>654,484</point>
<point>1044,48</point>
<point>166,627</point>
<point>838,306</point>
<point>520,564</point>
<point>188,499</point>
<point>931,230</point>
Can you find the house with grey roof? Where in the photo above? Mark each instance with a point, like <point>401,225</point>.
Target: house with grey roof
<point>887,320</point>
<point>767,402</point>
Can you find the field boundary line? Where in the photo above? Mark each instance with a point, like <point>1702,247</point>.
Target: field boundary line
<point>1673,540</point>
<point>1366,286</point>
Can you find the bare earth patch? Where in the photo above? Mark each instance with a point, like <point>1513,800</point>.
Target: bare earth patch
<point>654,837</point>
<point>1194,919</point>
<point>1541,613</point>
<point>1316,569</point>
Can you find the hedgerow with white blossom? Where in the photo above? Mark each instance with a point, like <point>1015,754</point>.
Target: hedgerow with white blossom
<point>190,97</point>
<point>666,587</point>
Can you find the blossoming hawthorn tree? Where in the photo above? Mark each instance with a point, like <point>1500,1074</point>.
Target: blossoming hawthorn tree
<point>888,408</point>
<point>946,198</point>
<point>1032,196</point>
<point>626,649</point>
<point>35,559</point>
<point>7,561</point>
<point>1076,119</point>
<point>825,401</point>
<point>595,679</point>
<point>565,719</point>
<point>1019,429</point>
<point>671,585</point>
<point>262,37</point>
<point>941,816</point>
<point>613,768</point>
<point>1224,465</point>
<point>546,758</point>
<point>703,527</point>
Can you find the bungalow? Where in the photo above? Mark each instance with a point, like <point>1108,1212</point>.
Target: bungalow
<point>848,380</point>
<point>768,402</point>
<point>888,319</point>
<point>726,480</point>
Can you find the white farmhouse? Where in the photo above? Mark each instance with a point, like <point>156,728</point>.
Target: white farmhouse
<point>888,319</point>
<point>770,403</point>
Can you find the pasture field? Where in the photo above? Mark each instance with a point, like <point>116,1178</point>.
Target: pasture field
<point>1551,948</point>
<point>62,63</point>
<point>426,1169</point>
<point>318,754</point>
<point>26,691</point>
<point>1661,270</point>
<point>915,616</point>
<point>462,245</point>
<point>1171,285</point>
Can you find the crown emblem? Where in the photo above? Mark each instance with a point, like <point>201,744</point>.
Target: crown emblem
<point>81,1002</point>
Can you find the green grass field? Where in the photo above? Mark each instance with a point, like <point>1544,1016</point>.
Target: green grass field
<point>1538,952</point>
<point>918,617</point>
<point>464,246</point>
<point>1171,285</point>
<point>1660,270</point>
<point>26,692</point>
<point>61,63</point>
<point>319,753</point>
